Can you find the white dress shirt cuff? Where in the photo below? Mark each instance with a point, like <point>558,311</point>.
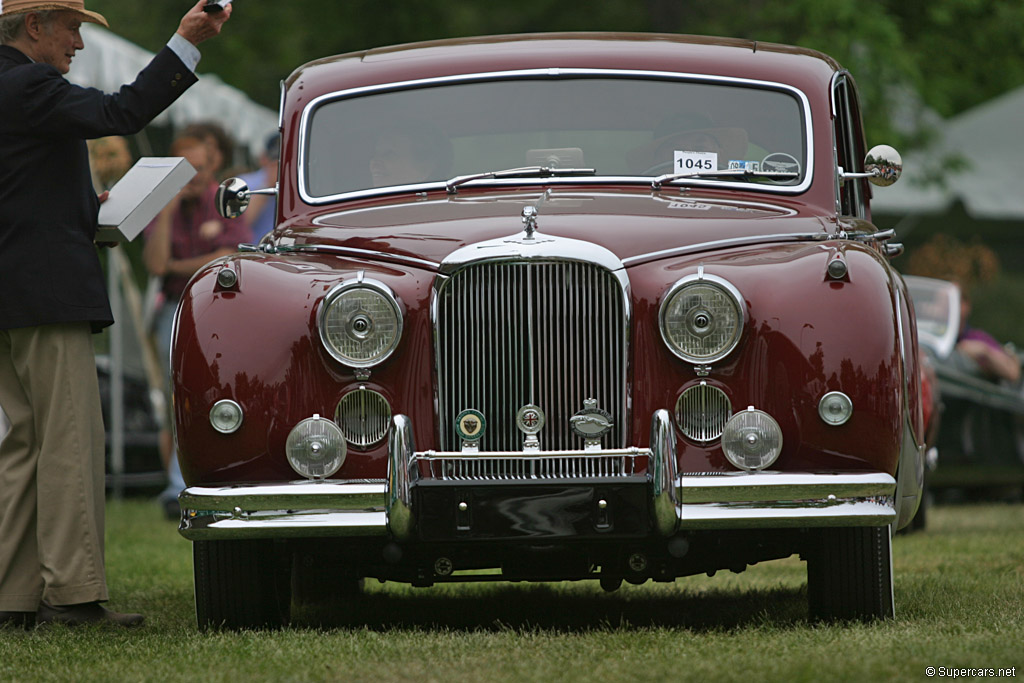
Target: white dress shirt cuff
<point>186,51</point>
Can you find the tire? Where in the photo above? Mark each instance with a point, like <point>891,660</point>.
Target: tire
<point>325,591</point>
<point>242,584</point>
<point>849,575</point>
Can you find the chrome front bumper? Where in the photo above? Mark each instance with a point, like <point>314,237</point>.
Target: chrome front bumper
<point>736,500</point>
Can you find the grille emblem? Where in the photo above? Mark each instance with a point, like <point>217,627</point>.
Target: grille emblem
<point>530,420</point>
<point>591,423</point>
<point>470,425</point>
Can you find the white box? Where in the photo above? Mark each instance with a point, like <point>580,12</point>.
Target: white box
<point>139,195</point>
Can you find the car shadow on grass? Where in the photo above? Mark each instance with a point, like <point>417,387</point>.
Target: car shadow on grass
<point>553,607</point>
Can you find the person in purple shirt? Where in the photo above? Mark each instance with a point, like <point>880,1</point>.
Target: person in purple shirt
<point>990,358</point>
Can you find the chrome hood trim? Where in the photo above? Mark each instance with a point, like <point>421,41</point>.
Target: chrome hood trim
<point>526,247</point>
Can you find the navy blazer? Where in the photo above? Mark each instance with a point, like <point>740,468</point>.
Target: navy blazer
<point>49,268</point>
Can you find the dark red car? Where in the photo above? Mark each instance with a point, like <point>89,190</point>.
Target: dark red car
<point>553,307</point>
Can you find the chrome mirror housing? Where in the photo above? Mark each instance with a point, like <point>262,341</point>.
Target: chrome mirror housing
<point>232,198</point>
<point>884,165</point>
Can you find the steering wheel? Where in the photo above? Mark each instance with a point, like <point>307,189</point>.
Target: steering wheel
<point>658,169</point>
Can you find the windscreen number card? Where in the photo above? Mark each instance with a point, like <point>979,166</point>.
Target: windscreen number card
<point>695,162</point>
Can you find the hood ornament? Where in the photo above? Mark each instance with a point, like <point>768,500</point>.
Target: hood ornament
<point>591,424</point>
<point>530,221</point>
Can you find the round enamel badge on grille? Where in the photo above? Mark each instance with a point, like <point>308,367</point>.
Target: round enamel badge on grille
<point>530,419</point>
<point>470,425</point>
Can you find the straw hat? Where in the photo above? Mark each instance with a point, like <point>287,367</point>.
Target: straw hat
<point>733,141</point>
<point>8,7</point>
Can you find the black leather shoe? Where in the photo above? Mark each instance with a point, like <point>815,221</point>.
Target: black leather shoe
<point>84,613</point>
<point>24,620</point>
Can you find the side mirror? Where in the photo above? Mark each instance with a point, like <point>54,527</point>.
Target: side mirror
<point>884,164</point>
<point>232,198</point>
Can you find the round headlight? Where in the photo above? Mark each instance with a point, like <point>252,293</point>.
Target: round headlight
<point>226,416</point>
<point>701,318</point>
<point>752,439</point>
<point>316,448</point>
<point>360,323</point>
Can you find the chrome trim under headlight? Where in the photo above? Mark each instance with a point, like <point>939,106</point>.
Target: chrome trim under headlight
<point>360,322</point>
<point>701,318</point>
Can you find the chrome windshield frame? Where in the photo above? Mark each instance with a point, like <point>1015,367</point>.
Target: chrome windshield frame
<point>547,74</point>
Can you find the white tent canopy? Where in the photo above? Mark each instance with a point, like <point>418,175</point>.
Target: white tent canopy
<point>109,61</point>
<point>989,139</point>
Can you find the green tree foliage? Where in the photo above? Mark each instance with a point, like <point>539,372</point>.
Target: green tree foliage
<point>953,53</point>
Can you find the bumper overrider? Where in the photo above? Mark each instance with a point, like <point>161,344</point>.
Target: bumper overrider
<point>593,494</point>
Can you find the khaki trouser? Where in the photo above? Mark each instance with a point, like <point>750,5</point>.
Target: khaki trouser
<point>51,469</point>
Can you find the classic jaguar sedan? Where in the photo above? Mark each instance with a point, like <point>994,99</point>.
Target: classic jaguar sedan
<point>548,308</point>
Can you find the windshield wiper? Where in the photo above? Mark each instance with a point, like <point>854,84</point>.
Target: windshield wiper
<point>656,183</point>
<point>525,172</point>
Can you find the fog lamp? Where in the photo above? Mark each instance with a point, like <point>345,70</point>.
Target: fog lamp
<point>316,448</point>
<point>752,439</point>
<point>226,416</point>
<point>835,408</point>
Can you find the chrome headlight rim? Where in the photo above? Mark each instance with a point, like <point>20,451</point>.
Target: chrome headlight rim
<point>720,283</point>
<point>334,294</point>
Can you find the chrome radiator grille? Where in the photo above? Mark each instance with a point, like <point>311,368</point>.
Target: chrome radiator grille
<point>516,467</point>
<point>548,333</point>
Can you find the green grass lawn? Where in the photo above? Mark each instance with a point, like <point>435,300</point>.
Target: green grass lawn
<point>959,603</point>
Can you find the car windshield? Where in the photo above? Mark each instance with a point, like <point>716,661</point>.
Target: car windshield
<point>937,308</point>
<point>621,127</point>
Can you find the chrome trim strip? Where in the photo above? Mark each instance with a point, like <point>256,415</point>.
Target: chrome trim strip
<point>850,512</point>
<point>289,509</point>
<point>280,105</point>
<point>329,494</point>
<point>539,247</point>
<point>741,487</point>
<point>356,253</point>
<point>285,524</point>
<point>551,73</point>
<point>723,244</point>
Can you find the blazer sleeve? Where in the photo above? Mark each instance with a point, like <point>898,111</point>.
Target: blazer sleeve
<point>52,105</point>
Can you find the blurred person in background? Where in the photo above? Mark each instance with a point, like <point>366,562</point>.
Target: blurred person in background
<point>110,158</point>
<point>262,211</point>
<point>186,235</point>
<point>53,297</point>
<point>980,353</point>
<point>222,147</point>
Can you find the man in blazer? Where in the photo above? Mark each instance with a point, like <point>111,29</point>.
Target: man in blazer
<point>52,296</point>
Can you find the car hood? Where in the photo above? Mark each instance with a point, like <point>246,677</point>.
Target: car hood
<point>634,226</point>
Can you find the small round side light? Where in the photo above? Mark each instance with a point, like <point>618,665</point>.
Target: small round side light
<point>226,416</point>
<point>837,268</point>
<point>227,278</point>
<point>835,408</point>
